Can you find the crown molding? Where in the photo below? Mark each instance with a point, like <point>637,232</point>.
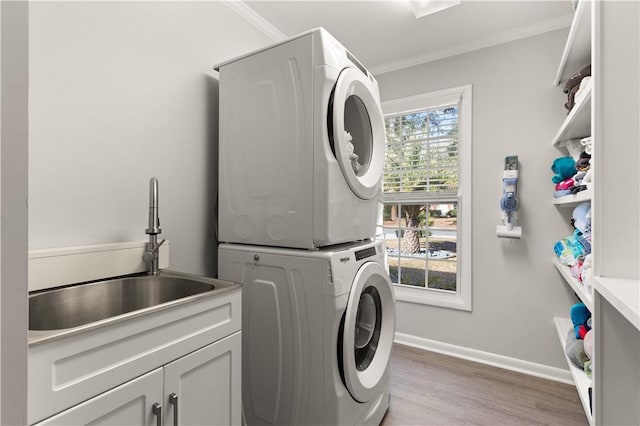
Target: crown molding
<point>252,17</point>
<point>501,38</point>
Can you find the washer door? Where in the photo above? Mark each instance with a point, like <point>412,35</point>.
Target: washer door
<point>369,325</point>
<point>358,132</point>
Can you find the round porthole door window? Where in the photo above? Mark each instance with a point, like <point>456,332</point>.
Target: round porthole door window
<point>358,132</point>
<point>369,325</point>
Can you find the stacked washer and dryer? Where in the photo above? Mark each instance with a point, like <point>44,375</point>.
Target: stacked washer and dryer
<point>300,167</point>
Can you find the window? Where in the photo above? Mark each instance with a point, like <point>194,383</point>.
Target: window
<point>425,220</point>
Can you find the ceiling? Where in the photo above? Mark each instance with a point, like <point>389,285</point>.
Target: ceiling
<point>385,34</point>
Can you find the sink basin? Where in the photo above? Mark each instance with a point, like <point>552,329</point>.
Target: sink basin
<point>82,304</point>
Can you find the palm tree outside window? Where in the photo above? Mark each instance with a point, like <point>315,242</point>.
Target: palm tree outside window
<point>425,216</point>
<point>420,187</point>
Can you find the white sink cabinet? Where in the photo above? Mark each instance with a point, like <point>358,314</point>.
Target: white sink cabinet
<point>116,373</point>
<point>204,386</point>
<point>207,385</point>
<point>128,404</point>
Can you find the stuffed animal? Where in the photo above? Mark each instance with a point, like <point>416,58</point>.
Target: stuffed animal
<point>588,178</point>
<point>582,217</point>
<point>567,183</point>
<point>587,273</point>
<point>583,162</point>
<point>563,167</point>
<point>574,348</point>
<point>588,344</point>
<point>577,268</point>
<point>572,86</point>
<point>585,84</point>
<point>575,148</point>
<point>571,98</point>
<point>588,145</point>
<point>580,316</point>
<point>569,249</point>
<point>575,79</point>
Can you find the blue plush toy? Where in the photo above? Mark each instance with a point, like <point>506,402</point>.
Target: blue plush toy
<point>563,167</point>
<point>580,316</point>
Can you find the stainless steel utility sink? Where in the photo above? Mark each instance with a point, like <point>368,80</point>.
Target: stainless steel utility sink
<point>82,304</point>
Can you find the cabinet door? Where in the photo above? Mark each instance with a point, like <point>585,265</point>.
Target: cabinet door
<point>207,385</point>
<point>127,404</point>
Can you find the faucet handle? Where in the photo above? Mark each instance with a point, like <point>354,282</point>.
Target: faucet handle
<point>155,249</point>
<point>152,248</point>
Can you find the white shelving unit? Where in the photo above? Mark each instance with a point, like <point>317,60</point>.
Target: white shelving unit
<point>616,367</point>
<point>580,378</point>
<point>577,51</point>
<point>616,220</point>
<point>623,295</point>
<point>576,286</point>
<point>605,34</point>
<point>577,125</point>
<point>574,199</point>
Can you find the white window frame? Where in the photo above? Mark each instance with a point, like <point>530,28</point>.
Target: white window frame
<point>461,298</point>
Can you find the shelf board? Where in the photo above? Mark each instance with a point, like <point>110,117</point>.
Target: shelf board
<point>577,125</point>
<point>574,199</point>
<point>577,50</point>
<point>576,286</point>
<point>622,294</point>
<point>580,379</point>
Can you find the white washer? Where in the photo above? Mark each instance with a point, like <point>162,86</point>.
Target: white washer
<point>317,331</point>
<point>288,173</point>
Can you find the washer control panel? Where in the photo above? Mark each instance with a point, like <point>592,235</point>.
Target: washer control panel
<point>364,253</point>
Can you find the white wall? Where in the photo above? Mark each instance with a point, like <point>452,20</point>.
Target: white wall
<point>13,213</point>
<point>516,110</point>
<point>120,92</point>
<point>123,91</point>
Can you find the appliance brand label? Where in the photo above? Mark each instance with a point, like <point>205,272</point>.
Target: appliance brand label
<point>344,259</point>
<point>368,252</point>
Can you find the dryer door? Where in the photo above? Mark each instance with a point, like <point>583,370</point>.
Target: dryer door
<point>358,132</point>
<point>369,326</point>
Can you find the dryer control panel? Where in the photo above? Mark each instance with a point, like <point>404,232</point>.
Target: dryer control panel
<point>364,253</point>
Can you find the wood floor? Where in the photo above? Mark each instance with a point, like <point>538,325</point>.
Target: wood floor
<point>433,389</point>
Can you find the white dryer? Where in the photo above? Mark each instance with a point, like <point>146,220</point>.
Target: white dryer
<point>317,331</point>
<point>302,144</point>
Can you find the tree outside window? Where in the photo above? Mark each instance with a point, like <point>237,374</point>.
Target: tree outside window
<point>420,192</point>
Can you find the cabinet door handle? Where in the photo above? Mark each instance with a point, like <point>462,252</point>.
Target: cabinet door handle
<point>173,400</point>
<point>157,410</point>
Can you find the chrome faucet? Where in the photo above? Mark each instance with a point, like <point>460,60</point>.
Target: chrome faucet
<point>150,256</point>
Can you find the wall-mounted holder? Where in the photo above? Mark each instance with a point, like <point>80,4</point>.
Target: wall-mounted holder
<point>509,202</point>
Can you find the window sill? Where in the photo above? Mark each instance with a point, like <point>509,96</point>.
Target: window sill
<point>424,296</point>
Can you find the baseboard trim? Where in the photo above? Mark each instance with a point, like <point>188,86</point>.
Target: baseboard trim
<point>488,358</point>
